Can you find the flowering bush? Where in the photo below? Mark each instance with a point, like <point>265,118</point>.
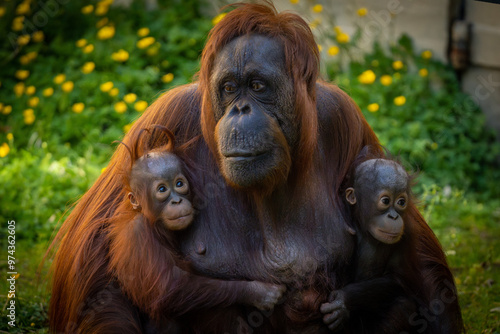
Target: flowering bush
<point>415,106</point>
<point>73,84</point>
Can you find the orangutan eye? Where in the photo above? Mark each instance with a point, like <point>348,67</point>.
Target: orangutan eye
<point>179,184</point>
<point>402,202</point>
<point>162,189</point>
<point>257,86</point>
<point>229,87</point>
<point>385,200</point>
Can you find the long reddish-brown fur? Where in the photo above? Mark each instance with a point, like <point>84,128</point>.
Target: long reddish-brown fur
<point>81,268</point>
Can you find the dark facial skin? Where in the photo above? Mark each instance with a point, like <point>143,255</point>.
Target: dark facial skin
<point>253,104</point>
<point>166,189</point>
<point>381,201</point>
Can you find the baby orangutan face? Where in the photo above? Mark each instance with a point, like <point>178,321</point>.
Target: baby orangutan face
<point>161,190</point>
<point>381,193</point>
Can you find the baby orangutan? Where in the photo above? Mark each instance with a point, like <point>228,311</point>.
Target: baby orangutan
<point>378,301</point>
<point>144,256</point>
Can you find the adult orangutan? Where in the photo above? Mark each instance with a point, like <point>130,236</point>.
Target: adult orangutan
<point>276,145</point>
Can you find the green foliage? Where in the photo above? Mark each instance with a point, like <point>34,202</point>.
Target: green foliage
<point>438,129</point>
<point>52,161</point>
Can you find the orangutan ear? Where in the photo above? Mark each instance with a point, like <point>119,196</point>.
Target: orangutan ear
<point>134,202</point>
<point>350,196</point>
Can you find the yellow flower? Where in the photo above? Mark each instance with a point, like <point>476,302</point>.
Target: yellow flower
<point>126,128</point>
<point>101,9</point>
<point>167,78</point>
<point>78,107</point>
<point>130,98</point>
<point>145,42</point>
<point>106,32</point>
<point>88,49</point>
<point>7,110</point>
<point>342,38</point>
<point>30,90</point>
<point>314,24</point>
<point>106,87</point>
<point>4,150</point>
<point>23,39</point>
<point>373,107</point>
<point>400,100</point>
<point>28,58</point>
<point>29,116</point>
<point>48,92</point>
<point>427,54</point>
<point>120,107</point>
<point>2,11</point>
<point>22,74</point>
<point>102,22</point>
<point>320,47</point>
<point>114,91</point>
<point>143,32</point>
<point>367,77</point>
<point>19,89</point>
<point>317,8</point>
<point>10,136</point>
<point>33,102</point>
<point>23,8</point>
<point>81,43</point>
<point>120,56</point>
<point>88,67</point>
<point>218,18</point>
<point>59,79</point>
<point>386,80</point>
<point>152,51</point>
<point>423,72</point>
<point>294,2</point>
<point>434,146</point>
<point>140,106</point>
<point>38,36</point>
<point>103,169</point>
<point>87,9</point>
<point>397,65</point>
<point>333,50</point>
<point>18,23</point>
<point>362,11</point>
<point>68,86</point>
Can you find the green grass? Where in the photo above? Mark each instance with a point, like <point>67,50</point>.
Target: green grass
<point>32,293</point>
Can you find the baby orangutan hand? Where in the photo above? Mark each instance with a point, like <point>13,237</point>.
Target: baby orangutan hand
<point>335,312</point>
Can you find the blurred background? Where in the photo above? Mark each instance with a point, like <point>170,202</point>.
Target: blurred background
<point>74,76</point>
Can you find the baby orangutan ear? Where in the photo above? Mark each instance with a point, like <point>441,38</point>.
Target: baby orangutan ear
<point>350,196</point>
<point>134,202</point>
